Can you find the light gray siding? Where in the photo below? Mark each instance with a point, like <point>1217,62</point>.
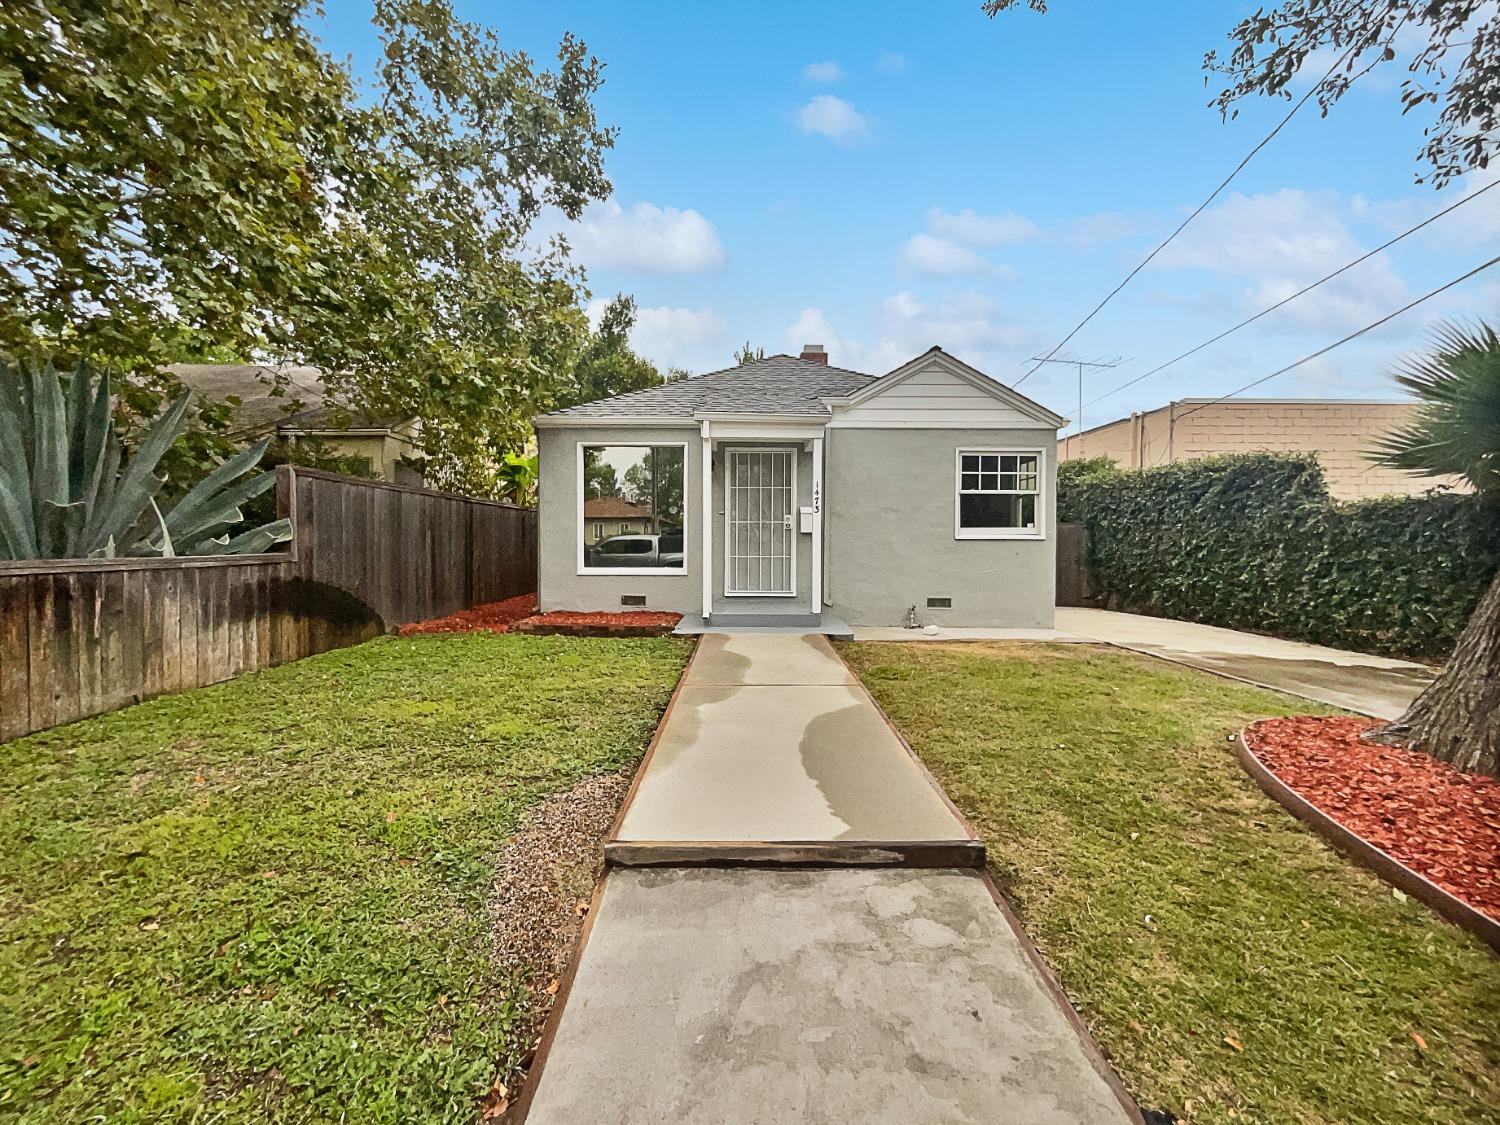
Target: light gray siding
<point>560,586</point>
<point>890,499</point>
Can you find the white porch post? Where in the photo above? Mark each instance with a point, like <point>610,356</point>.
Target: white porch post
<point>817,528</point>
<point>708,521</point>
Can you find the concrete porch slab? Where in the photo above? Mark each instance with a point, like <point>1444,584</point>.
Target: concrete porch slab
<point>823,997</point>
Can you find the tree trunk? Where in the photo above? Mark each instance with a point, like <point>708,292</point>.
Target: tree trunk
<point>1457,719</point>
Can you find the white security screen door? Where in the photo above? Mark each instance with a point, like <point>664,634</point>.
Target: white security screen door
<point>759,494</point>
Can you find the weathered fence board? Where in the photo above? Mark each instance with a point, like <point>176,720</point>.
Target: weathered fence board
<point>1073,586</point>
<point>82,636</point>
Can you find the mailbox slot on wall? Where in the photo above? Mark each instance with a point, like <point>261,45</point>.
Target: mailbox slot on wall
<point>806,523</point>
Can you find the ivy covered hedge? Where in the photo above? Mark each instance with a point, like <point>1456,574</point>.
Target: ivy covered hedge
<point>1253,541</point>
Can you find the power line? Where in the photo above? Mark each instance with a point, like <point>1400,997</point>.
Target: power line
<point>1313,89</point>
<point>1337,343</point>
<point>1308,289</point>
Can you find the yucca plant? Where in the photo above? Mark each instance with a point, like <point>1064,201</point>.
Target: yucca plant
<point>1455,429</point>
<point>64,493</point>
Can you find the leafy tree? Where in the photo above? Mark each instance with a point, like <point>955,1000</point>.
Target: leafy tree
<point>656,482</point>
<point>518,477</point>
<point>1456,430</point>
<point>182,177</point>
<point>608,366</point>
<point>747,354</point>
<point>1456,70</point>
<point>599,478</point>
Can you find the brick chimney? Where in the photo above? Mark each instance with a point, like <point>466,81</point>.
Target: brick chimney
<point>813,353</point>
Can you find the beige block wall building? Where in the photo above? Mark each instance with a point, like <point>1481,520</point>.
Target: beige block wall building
<point>1339,431</point>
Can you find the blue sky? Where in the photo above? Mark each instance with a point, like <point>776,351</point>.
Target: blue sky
<point>883,177</point>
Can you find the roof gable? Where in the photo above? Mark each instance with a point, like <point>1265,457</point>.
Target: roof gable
<point>936,388</point>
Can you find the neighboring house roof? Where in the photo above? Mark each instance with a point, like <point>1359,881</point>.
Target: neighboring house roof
<point>789,387</point>
<point>778,384</point>
<point>268,395</point>
<point>614,507</point>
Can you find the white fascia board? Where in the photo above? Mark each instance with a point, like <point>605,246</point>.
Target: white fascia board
<point>553,421</point>
<point>917,424</point>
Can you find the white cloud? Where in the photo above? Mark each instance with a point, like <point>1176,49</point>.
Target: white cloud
<point>646,238</point>
<point>938,257</point>
<point>890,62</point>
<point>1280,242</point>
<point>669,336</point>
<point>835,119</point>
<point>971,228</point>
<point>829,71</point>
<point>970,325</point>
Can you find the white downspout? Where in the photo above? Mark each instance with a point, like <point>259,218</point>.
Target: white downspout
<point>817,525</point>
<point>708,521</point>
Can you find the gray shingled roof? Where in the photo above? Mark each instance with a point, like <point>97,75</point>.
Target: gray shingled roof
<point>303,402</point>
<point>778,384</point>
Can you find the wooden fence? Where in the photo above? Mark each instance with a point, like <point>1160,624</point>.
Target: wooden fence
<point>1073,586</point>
<point>78,637</point>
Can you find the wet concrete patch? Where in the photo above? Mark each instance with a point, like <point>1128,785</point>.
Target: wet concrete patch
<point>750,658</point>
<point>790,763</point>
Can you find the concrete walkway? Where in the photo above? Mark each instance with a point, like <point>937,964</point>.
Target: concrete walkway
<point>1371,685</point>
<point>773,745</point>
<point>794,956</point>
<point>1377,686</point>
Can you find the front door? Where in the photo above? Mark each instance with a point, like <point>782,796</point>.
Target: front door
<point>760,496</point>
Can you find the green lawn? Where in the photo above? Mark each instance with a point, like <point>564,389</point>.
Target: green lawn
<point>267,900</point>
<point>1233,966</point>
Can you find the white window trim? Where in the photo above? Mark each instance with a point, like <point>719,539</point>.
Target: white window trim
<point>579,521</point>
<point>1040,532</point>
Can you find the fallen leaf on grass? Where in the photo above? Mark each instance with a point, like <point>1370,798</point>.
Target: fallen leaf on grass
<point>552,988</point>
<point>1233,1042</point>
<point>581,909</point>
<point>496,1102</point>
<point>390,817</point>
<point>442,1002</point>
<point>1419,1041</point>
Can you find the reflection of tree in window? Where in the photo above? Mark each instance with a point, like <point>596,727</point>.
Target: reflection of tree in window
<point>599,478</point>
<point>655,483</point>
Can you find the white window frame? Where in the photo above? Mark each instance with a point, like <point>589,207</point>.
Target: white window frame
<point>579,521</point>
<point>1039,532</point>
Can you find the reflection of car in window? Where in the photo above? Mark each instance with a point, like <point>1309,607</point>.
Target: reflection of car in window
<point>663,550</point>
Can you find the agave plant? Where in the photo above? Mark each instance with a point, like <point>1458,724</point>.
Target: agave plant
<point>64,493</point>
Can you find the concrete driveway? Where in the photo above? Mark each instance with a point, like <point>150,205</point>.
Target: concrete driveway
<point>1370,685</point>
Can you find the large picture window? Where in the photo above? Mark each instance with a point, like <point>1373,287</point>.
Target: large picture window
<point>631,505</point>
<point>999,494</point>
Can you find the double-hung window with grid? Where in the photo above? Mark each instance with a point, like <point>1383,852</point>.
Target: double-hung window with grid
<point>999,494</point>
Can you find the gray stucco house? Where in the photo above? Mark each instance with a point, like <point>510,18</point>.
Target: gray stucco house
<point>791,492</point>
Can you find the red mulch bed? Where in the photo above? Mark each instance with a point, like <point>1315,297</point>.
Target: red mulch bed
<point>493,617</point>
<point>640,623</point>
<point>1442,823</point>
<point>519,614</point>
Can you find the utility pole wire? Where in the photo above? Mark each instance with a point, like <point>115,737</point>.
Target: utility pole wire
<point>1316,86</point>
<point>1286,300</point>
<point>1324,351</point>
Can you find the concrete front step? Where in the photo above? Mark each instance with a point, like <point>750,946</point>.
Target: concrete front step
<point>797,624</point>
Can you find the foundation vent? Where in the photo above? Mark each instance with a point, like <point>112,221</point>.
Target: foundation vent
<point>632,599</point>
<point>939,603</point>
